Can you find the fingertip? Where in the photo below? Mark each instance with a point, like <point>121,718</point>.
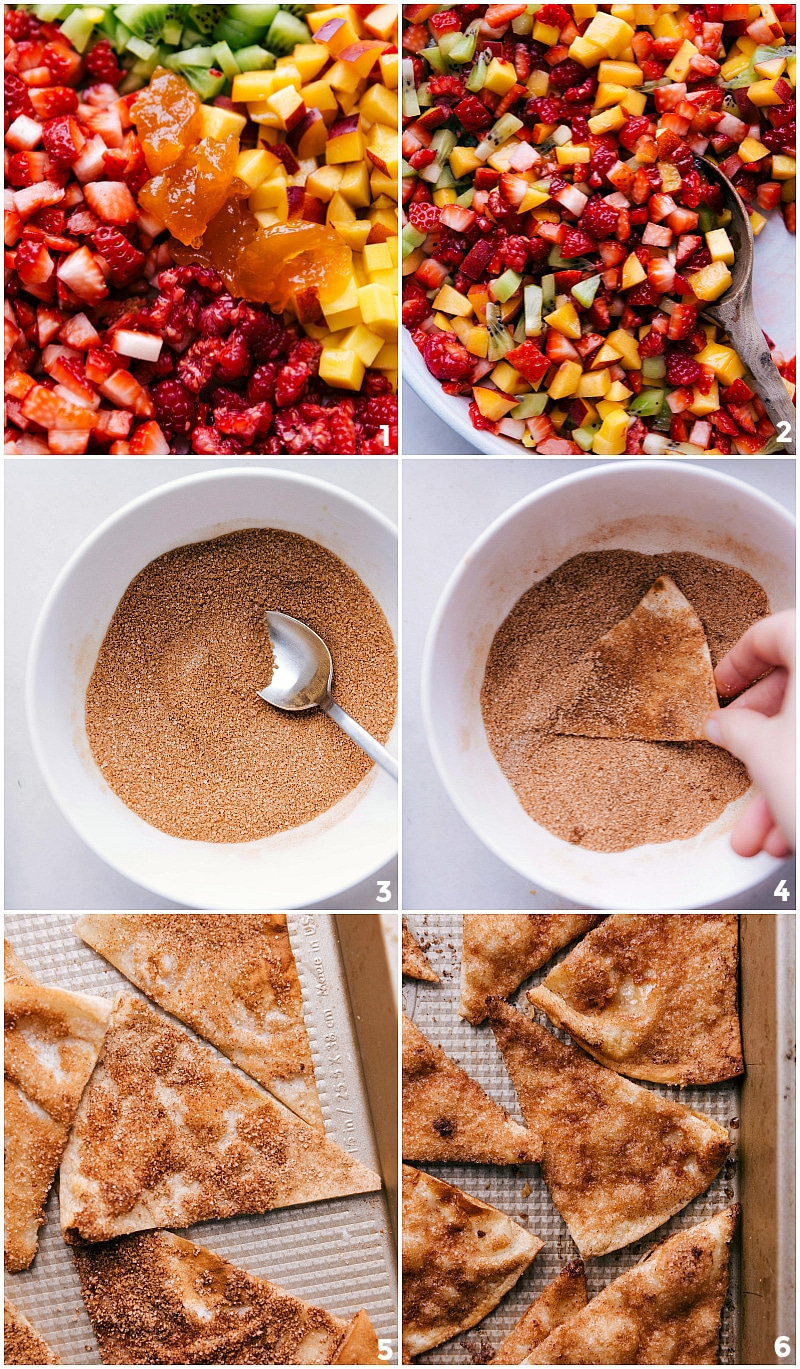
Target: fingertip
<point>713,728</point>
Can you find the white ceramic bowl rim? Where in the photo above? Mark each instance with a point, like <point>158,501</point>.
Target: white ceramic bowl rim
<point>227,474</point>
<point>581,477</point>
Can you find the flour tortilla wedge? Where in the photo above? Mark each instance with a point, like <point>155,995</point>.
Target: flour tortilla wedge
<point>617,1159</point>
<point>155,1298</point>
<point>650,678</point>
<point>502,949</point>
<point>232,978</point>
<point>653,996</point>
<point>52,1039</point>
<point>666,1310</point>
<point>447,1115</point>
<point>168,1134</point>
<point>460,1256</point>
<point>415,962</point>
<point>22,1343</point>
<point>14,968</point>
<point>556,1303</point>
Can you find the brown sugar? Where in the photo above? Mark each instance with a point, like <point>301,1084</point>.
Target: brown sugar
<point>608,794</point>
<point>173,715</point>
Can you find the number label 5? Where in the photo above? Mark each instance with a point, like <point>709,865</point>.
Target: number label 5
<point>384,1350</point>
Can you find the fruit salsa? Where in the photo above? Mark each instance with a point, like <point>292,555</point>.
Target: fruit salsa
<point>201,229</point>
<point>560,235</point>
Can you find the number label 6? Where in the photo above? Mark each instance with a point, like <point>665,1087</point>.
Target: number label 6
<point>783,1347</point>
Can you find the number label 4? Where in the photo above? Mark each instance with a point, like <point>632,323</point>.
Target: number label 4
<point>782,891</point>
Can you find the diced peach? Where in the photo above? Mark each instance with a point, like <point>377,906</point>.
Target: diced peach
<point>346,142</point>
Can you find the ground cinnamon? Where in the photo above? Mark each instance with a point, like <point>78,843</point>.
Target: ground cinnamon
<point>608,795</point>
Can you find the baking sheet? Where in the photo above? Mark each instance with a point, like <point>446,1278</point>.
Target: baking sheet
<point>336,1254</point>
<point>434,1009</point>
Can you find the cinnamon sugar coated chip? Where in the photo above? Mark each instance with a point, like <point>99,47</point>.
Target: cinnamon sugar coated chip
<point>599,792</point>
<point>173,715</point>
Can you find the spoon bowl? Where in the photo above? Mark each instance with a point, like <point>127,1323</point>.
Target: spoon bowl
<point>302,678</point>
<point>735,312</point>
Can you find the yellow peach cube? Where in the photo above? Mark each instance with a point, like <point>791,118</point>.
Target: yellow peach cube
<point>751,150</point>
<point>366,344</point>
<point>379,106</point>
<point>607,122</point>
<point>608,33</point>
<point>377,257</point>
<point>253,166</point>
<point>220,123</point>
<point>347,146</point>
<point>723,361</point>
<point>324,182</point>
<point>383,148</point>
<point>571,154</point>
<point>595,385</point>
<point>565,381</point>
<point>711,281</point>
<point>390,65</point>
<point>678,68</point>
<point>382,21</point>
<point>565,321</point>
<point>621,73</point>
<point>701,404</point>
<point>633,273</point>
<point>720,246</point>
<point>319,95</point>
<point>500,76</point>
<point>378,307</point>
<point>354,185</point>
<point>343,311</point>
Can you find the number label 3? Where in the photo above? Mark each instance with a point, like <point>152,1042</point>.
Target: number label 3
<point>384,893</point>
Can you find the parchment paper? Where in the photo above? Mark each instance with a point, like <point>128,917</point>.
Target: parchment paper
<point>434,1008</point>
<point>336,1254</point>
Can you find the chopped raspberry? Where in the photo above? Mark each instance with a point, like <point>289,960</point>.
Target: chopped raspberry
<point>598,218</point>
<point>233,361</point>
<point>566,73</point>
<point>472,115</point>
<point>633,130</point>
<point>125,260</point>
<point>416,306</point>
<point>446,358</point>
<point>344,440</point>
<point>293,378</point>
<point>543,109</point>
<point>246,424</point>
<point>176,407</point>
<point>514,252</point>
<point>102,63</point>
<point>577,244</point>
<point>206,441</point>
<point>424,217</point>
<point>380,410</point>
<point>682,370</point>
<point>480,423</point>
<point>261,385</point>
<point>445,88</point>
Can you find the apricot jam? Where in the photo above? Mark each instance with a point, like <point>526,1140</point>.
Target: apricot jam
<point>167,118</point>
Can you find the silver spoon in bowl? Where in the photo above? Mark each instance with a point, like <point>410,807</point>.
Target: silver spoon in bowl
<point>734,311</point>
<point>302,678</point>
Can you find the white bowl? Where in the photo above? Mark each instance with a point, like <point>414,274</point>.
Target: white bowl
<point>292,869</point>
<point>646,506</point>
<point>453,409</point>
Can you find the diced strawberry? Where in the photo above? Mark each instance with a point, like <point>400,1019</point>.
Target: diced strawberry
<point>35,197</point>
<point>457,218</point>
<point>100,362</point>
<point>124,390</point>
<point>33,263</point>
<point>106,123</point>
<point>54,101</point>
<point>513,188</point>
<point>432,274</point>
<point>661,274</point>
<point>683,322</point>
<point>63,140</point>
<point>66,443</point>
<point>111,201</point>
<point>612,253</point>
<point>90,165</point>
<point>113,423</point>
<point>26,168</point>
<point>540,428</point>
<point>48,323</point>
<point>124,260</point>
<point>768,194</point>
<point>83,276</point>
<point>737,393</point>
<point>559,446</point>
<point>529,361</point>
<point>688,244</point>
<point>559,348</point>
<point>148,440</point>
<point>743,415</point>
<point>78,332</point>
<point>50,411</point>
<point>424,217</point>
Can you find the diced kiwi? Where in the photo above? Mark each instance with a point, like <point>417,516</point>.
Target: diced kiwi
<point>254,16</point>
<point>140,48</point>
<point>193,57</point>
<point>48,14</point>
<point>255,58</point>
<point>235,33</point>
<point>208,84</point>
<point>206,17</point>
<point>226,61</point>
<point>285,32</point>
<point>299,10</point>
<point>145,21</point>
<point>78,28</point>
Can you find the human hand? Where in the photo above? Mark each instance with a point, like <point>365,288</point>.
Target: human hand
<point>759,728</point>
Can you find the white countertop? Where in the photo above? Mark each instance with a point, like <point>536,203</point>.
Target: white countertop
<point>446,505</point>
<point>51,506</point>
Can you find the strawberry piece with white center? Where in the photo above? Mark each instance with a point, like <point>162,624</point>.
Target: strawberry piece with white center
<point>35,197</point>
<point>49,410</point>
<point>140,346</point>
<point>111,201</point>
<point>83,276</point>
<point>123,389</point>
<point>78,332</point>
<point>24,134</point>
<point>33,262</point>
<point>90,166</point>
<point>148,440</point>
<point>65,443</point>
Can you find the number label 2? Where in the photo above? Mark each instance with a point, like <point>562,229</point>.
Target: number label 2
<point>784,432</point>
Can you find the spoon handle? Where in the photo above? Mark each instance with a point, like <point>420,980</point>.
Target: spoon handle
<point>361,737</point>
<point>748,341</point>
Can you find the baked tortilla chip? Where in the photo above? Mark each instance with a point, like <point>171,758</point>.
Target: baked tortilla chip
<point>22,1343</point>
<point>617,1159</point>
<point>502,949</point>
<point>447,1115</point>
<point>232,978</point>
<point>14,968</point>
<point>52,1039</point>
<point>556,1303</point>
<point>653,996</point>
<point>168,1134</point>
<point>460,1256</point>
<point>666,1310</point>
<point>415,963</point>
<point>158,1299</point>
<point>650,678</point>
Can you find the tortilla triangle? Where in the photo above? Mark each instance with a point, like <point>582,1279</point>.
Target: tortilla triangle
<point>232,978</point>
<point>618,1160</point>
<point>502,949</point>
<point>22,1343</point>
<point>415,962</point>
<point>447,1115</point>
<point>158,1299</point>
<point>649,678</point>
<point>460,1256</point>
<point>168,1134</point>
<point>653,996</point>
<point>666,1310</point>
<point>556,1303</point>
<point>52,1039</point>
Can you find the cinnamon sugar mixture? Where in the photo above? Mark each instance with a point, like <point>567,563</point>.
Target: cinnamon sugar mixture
<point>608,795</point>
<point>172,709</point>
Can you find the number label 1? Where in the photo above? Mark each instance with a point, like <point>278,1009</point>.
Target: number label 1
<point>385,433</point>
<point>385,1350</point>
<point>384,893</point>
<point>782,891</point>
<point>783,1347</point>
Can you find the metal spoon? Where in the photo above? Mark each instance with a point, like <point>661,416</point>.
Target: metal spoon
<point>302,679</point>
<point>735,312</point>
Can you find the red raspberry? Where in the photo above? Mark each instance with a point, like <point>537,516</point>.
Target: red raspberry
<point>567,73</point>
<point>125,260</point>
<point>16,98</point>
<point>246,424</point>
<point>543,110</point>
<point>424,217</point>
<point>446,358</point>
<point>444,88</point>
<point>472,115</point>
<point>102,63</point>
<point>598,218</point>
<point>343,440</point>
<point>176,408</point>
<point>416,308</point>
<point>293,378</point>
<point>380,411</point>
<point>577,244</point>
<point>207,442</point>
<point>633,130</point>
<point>19,25</point>
<point>261,385</point>
<point>682,370</point>
<point>514,252</point>
<point>376,383</point>
<point>233,362</point>
<point>652,346</point>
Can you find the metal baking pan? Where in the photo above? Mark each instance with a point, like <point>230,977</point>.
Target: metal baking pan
<point>340,1254</point>
<point>757,1110</point>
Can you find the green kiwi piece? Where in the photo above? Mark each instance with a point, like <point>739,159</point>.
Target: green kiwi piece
<point>205,17</point>
<point>235,34</point>
<point>144,21</point>
<point>255,58</point>
<point>285,32</point>
<point>207,86</point>
<point>255,16</point>
<point>225,60</point>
